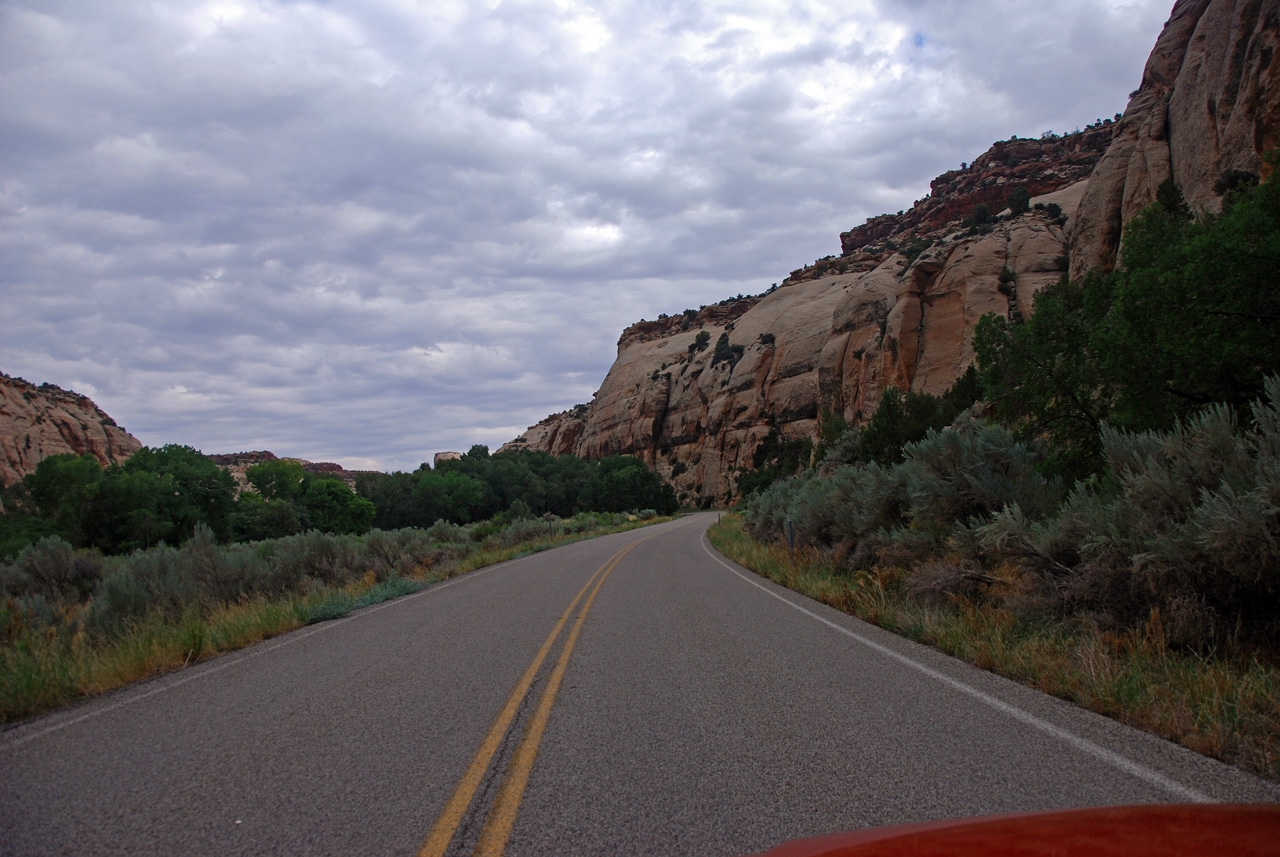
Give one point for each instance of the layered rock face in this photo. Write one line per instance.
(1208, 105)
(900, 303)
(37, 422)
(826, 340)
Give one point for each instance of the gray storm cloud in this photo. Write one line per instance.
(364, 232)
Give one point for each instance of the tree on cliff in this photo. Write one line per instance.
(1019, 201)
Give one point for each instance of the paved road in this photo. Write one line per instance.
(699, 710)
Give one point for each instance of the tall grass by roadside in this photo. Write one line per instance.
(1224, 707)
(75, 624)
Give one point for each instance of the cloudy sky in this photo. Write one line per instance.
(365, 232)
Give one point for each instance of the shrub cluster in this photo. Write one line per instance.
(1186, 526)
(105, 596)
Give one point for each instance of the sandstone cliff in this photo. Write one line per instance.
(898, 308)
(900, 303)
(36, 422)
(1208, 105)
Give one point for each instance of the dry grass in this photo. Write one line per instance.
(1227, 708)
(44, 666)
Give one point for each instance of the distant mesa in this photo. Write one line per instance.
(445, 456)
(239, 462)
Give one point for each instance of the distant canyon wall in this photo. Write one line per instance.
(829, 339)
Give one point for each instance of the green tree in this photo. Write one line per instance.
(334, 508)
(1019, 201)
(254, 518)
(1042, 379)
(159, 495)
(448, 495)
(278, 480)
(20, 525)
(1191, 317)
(1193, 312)
(392, 497)
(900, 418)
(62, 488)
(626, 484)
(128, 511)
(726, 353)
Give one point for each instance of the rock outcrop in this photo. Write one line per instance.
(238, 463)
(696, 394)
(39, 421)
(1208, 106)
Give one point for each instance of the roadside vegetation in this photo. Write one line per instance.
(162, 496)
(1222, 705)
(1107, 525)
(111, 575)
(75, 623)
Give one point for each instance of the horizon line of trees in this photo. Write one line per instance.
(164, 495)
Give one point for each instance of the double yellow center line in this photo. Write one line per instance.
(502, 816)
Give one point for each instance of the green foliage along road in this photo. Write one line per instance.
(1125, 471)
(1189, 319)
(161, 496)
(480, 486)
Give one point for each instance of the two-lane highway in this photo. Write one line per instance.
(633, 694)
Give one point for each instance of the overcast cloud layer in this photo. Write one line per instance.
(367, 231)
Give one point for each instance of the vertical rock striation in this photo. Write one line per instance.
(1208, 105)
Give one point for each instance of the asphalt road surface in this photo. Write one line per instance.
(632, 694)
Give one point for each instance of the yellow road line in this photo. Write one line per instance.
(437, 841)
(497, 829)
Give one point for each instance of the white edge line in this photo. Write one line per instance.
(1084, 745)
(243, 655)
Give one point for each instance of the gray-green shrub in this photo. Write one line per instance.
(52, 568)
(954, 475)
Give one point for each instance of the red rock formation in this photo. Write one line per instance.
(1041, 166)
(37, 422)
